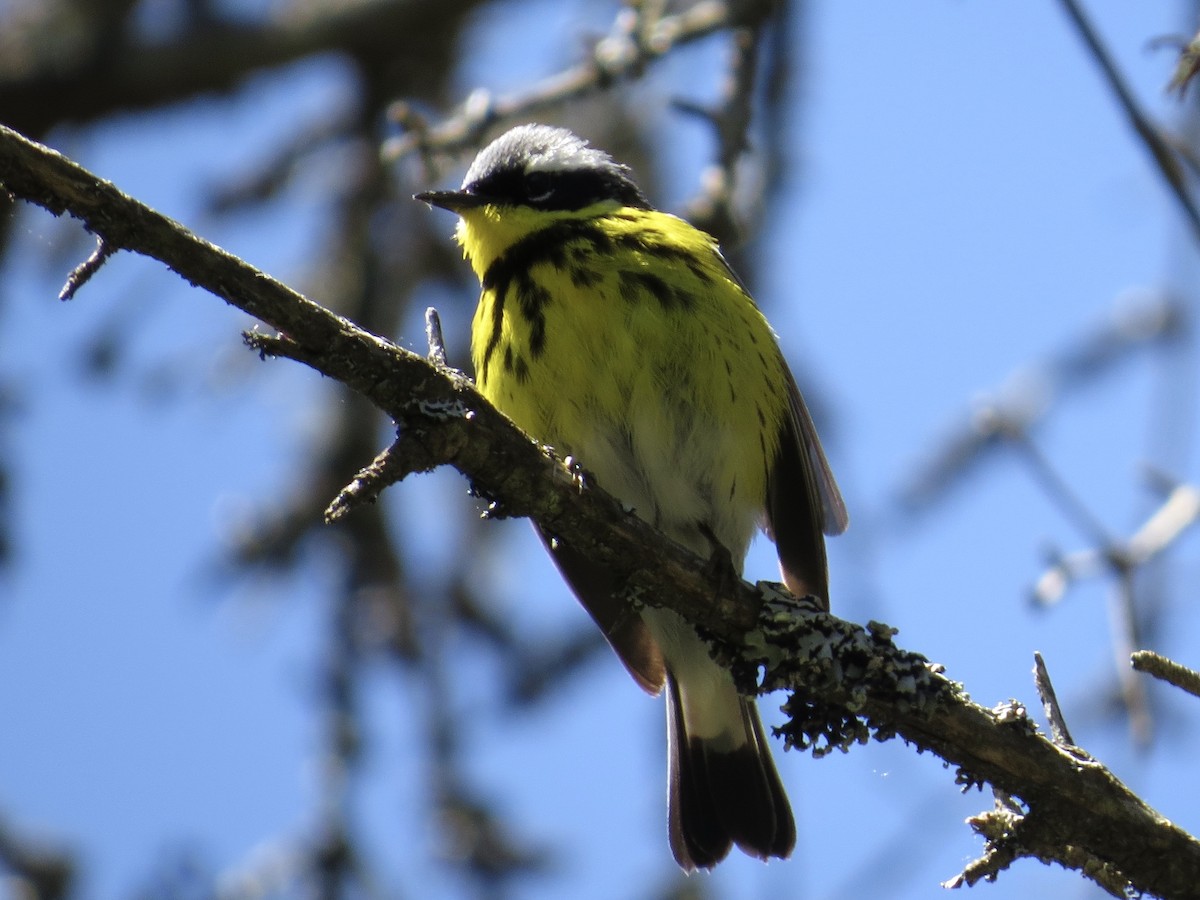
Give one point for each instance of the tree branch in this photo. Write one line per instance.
(1161, 151)
(634, 44)
(1167, 670)
(213, 55)
(848, 683)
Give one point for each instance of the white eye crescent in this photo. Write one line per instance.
(538, 187)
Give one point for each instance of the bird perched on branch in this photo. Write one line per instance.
(619, 335)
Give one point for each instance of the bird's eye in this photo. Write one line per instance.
(538, 187)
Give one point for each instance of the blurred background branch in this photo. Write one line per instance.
(445, 701)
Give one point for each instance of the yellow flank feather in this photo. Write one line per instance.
(619, 336)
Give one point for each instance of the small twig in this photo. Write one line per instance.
(730, 119)
(1167, 670)
(1159, 147)
(433, 336)
(1178, 512)
(1173, 517)
(623, 54)
(1058, 725)
(997, 826)
(399, 460)
(1064, 570)
(385, 469)
(1188, 65)
(1060, 492)
(1118, 561)
(276, 345)
(85, 270)
(1013, 834)
(1030, 393)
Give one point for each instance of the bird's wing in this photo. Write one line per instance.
(803, 503)
(834, 518)
(596, 588)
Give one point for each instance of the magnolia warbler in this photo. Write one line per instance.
(619, 335)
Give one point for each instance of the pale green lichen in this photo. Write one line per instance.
(444, 410)
(841, 675)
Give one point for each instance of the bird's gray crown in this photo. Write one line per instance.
(549, 168)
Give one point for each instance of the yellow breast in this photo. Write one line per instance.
(620, 337)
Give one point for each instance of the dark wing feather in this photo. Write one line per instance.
(803, 502)
(595, 588)
(834, 518)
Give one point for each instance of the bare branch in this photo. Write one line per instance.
(385, 470)
(1056, 488)
(1178, 512)
(623, 54)
(1159, 147)
(1188, 65)
(85, 270)
(1011, 834)
(713, 210)
(433, 337)
(996, 827)
(1162, 528)
(1029, 394)
(1058, 724)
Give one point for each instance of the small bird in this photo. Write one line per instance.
(619, 335)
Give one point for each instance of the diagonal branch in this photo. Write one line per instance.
(634, 44)
(1161, 151)
(848, 683)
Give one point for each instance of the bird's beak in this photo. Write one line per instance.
(455, 201)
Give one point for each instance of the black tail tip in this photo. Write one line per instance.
(726, 800)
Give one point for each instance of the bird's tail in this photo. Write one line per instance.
(723, 786)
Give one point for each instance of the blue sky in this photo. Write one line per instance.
(964, 201)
